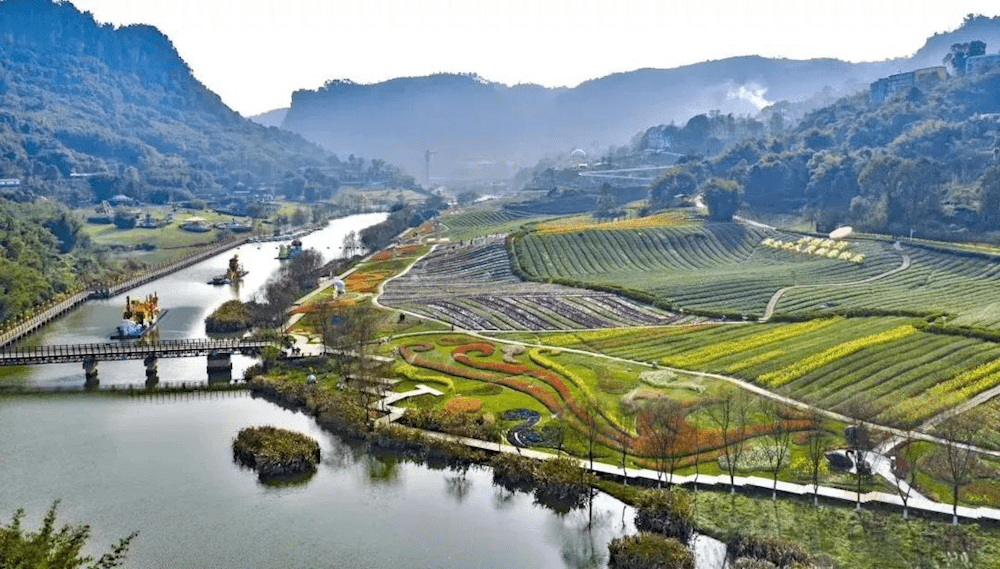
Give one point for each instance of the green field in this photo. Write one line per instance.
(728, 268)
(716, 267)
(476, 221)
(834, 363)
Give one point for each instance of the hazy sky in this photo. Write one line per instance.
(254, 53)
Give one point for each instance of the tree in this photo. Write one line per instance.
(300, 217)
(860, 441)
(606, 201)
(989, 201)
(467, 197)
(722, 197)
(350, 244)
(354, 341)
(303, 270)
(958, 460)
(904, 468)
(729, 416)
(778, 438)
(960, 53)
(666, 419)
(54, 548)
(816, 450)
(674, 181)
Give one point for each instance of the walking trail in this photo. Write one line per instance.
(773, 303)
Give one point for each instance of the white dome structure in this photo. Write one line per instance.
(578, 154)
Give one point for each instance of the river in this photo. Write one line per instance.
(187, 298)
(163, 465)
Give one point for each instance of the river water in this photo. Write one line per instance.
(163, 465)
(187, 298)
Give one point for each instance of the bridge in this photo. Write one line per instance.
(218, 352)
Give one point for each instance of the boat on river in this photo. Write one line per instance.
(139, 317)
(234, 273)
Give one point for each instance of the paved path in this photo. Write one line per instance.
(483, 334)
(393, 413)
(773, 303)
(722, 482)
(967, 405)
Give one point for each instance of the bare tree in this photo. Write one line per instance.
(860, 441)
(729, 416)
(591, 430)
(666, 417)
(778, 439)
(623, 439)
(354, 346)
(957, 462)
(816, 450)
(904, 468)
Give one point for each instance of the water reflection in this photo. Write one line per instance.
(459, 485)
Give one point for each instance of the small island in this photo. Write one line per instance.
(274, 452)
(231, 316)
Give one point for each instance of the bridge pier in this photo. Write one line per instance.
(151, 371)
(90, 371)
(220, 366)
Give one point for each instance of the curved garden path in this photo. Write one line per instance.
(773, 303)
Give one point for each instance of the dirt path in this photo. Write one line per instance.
(773, 303)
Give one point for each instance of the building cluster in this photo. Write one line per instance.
(887, 87)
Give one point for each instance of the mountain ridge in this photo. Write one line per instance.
(598, 112)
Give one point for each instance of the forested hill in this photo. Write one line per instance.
(80, 97)
(926, 159)
(468, 120)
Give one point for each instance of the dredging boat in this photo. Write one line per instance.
(234, 273)
(139, 317)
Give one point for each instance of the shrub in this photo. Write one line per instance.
(778, 551)
(275, 452)
(666, 513)
(649, 551)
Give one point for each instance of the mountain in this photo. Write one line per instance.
(480, 128)
(923, 160)
(271, 118)
(78, 97)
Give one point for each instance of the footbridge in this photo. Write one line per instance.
(218, 352)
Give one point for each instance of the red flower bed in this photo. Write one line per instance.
(382, 256)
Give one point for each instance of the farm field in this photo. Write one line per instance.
(733, 269)
(568, 391)
(840, 364)
(477, 221)
(713, 267)
(962, 286)
(473, 287)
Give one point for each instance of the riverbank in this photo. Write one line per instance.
(861, 537)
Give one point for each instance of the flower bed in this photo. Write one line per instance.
(463, 405)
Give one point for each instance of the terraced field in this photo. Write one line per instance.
(718, 267)
(835, 363)
(964, 286)
(473, 287)
(478, 221)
